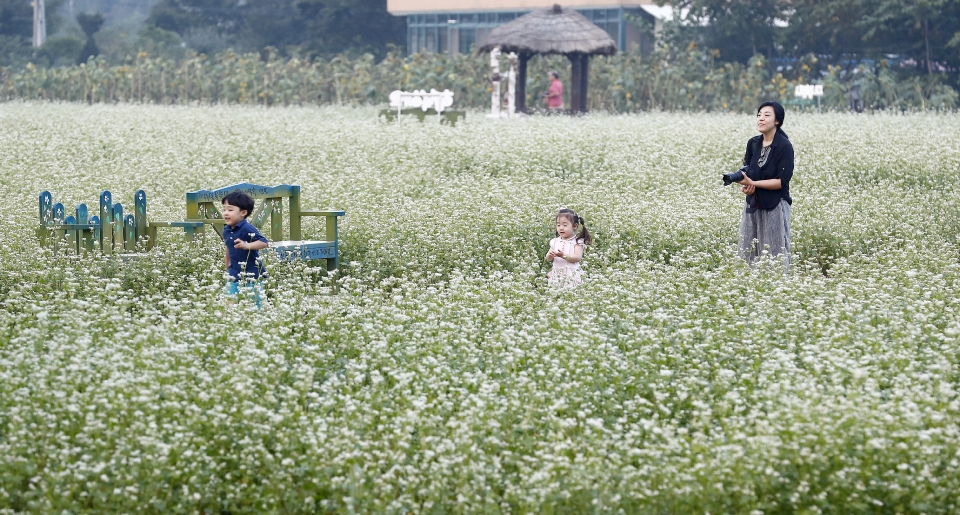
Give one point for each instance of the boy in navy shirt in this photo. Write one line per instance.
(244, 243)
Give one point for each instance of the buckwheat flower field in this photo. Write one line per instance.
(437, 372)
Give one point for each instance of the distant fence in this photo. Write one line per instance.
(667, 80)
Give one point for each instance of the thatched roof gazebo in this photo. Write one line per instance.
(552, 31)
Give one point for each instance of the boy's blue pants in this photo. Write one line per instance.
(251, 290)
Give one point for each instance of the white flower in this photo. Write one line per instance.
(440, 353)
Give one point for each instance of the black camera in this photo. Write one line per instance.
(730, 178)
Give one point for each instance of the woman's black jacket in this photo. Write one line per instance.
(779, 165)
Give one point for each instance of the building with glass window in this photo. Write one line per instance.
(452, 27)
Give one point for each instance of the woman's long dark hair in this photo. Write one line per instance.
(778, 113)
(576, 221)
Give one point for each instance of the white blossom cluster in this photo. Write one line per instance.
(436, 372)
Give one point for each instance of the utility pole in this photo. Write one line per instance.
(39, 23)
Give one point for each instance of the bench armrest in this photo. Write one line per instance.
(328, 212)
(332, 217)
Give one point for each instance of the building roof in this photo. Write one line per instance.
(404, 7)
(550, 31)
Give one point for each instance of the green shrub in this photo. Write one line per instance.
(666, 80)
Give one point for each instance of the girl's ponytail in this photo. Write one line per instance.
(584, 233)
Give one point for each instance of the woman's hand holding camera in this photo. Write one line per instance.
(747, 186)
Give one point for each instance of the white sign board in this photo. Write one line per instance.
(808, 91)
(438, 100)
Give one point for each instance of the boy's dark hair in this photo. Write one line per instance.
(576, 220)
(241, 200)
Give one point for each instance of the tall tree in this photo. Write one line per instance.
(247, 25)
(351, 26)
(825, 27)
(16, 17)
(90, 24)
(738, 28)
(920, 29)
(320, 27)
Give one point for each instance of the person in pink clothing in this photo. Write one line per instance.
(554, 97)
(566, 250)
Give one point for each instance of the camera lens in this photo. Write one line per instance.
(730, 178)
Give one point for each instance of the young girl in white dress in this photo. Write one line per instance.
(566, 250)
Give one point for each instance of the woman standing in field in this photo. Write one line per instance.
(554, 96)
(765, 226)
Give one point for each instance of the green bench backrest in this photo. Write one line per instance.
(206, 204)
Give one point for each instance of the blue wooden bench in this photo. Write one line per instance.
(109, 231)
(203, 206)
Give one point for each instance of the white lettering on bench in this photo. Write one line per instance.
(293, 250)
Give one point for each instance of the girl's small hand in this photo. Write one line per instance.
(558, 253)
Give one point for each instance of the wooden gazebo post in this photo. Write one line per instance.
(575, 82)
(579, 73)
(584, 75)
(521, 94)
(552, 31)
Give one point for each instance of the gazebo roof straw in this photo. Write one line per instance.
(550, 31)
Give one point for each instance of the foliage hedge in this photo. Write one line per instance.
(668, 79)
